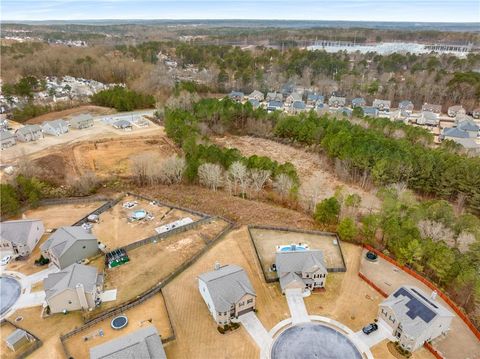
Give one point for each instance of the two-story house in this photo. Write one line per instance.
(21, 236)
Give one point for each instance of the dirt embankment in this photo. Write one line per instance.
(93, 110)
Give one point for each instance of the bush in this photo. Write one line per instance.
(221, 330)
(9, 202)
(42, 261)
(347, 229)
(327, 211)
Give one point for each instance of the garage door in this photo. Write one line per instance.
(245, 311)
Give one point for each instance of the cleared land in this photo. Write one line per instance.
(115, 230)
(94, 110)
(267, 240)
(152, 263)
(307, 164)
(151, 312)
(459, 343)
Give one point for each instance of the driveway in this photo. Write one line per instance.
(257, 331)
(376, 337)
(33, 299)
(297, 306)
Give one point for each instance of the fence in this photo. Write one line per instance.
(99, 210)
(37, 344)
(147, 294)
(70, 200)
(430, 285)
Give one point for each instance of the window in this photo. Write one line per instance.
(84, 247)
(249, 301)
(241, 304)
(69, 302)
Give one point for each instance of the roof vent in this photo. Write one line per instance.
(433, 296)
(216, 266)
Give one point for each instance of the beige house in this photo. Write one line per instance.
(414, 317)
(69, 245)
(303, 269)
(77, 287)
(21, 237)
(228, 293)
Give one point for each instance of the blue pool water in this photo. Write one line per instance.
(296, 248)
(139, 214)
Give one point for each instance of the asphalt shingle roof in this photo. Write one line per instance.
(69, 278)
(64, 237)
(17, 231)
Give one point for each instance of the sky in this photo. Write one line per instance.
(349, 10)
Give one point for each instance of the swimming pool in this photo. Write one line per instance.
(10, 290)
(140, 214)
(293, 248)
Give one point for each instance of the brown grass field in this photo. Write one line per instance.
(151, 263)
(5, 352)
(114, 230)
(94, 110)
(266, 241)
(138, 316)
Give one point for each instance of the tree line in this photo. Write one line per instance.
(123, 99)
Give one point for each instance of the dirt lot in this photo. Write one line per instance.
(266, 242)
(307, 164)
(146, 270)
(94, 110)
(114, 230)
(345, 300)
(459, 343)
(6, 353)
(153, 309)
(48, 330)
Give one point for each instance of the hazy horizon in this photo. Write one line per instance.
(424, 11)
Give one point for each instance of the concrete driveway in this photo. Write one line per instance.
(257, 331)
(376, 337)
(33, 299)
(297, 306)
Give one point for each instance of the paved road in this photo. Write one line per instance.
(257, 331)
(297, 306)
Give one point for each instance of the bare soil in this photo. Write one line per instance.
(94, 110)
(151, 312)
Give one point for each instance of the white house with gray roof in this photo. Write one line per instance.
(81, 121)
(414, 317)
(77, 287)
(336, 101)
(21, 236)
(18, 338)
(303, 269)
(256, 95)
(7, 139)
(68, 245)
(456, 110)
(123, 125)
(228, 293)
(29, 133)
(55, 127)
(381, 105)
(143, 343)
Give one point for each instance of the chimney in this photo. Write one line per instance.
(216, 266)
(81, 296)
(433, 296)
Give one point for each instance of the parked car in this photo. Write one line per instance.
(368, 329)
(5, 260)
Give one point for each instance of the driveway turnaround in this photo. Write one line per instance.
(257, 331)
(297, 306)
(10, 290)
(313, 340)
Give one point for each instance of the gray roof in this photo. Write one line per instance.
(28, 129)
(57, 124)
(295, 96)
(431, 107)
(275, 104)
(468, 126)
(69, 278)
(454, 132)
(455, 108)
(16, 336)
(381, 103)
(358, 101)
(405, 104)
(300, 261)
(256, 93)
(144, 343)
(17, 231)
(64, 237)
(414, 309)
(82, 117)
(122, 124)
(336, 99)
(299, 105)
(254, 102)
(369, 110)
(6, 135)
(227, 285)
(235, 94)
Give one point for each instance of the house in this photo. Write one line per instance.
(122, 125)
(454, 110)
(143, 343)
(428, 107)
(274, 96)
(7, 139)
(406, 105)
(81, 121)
(68, 245)
(335, 101)
(55, 127)
(254, 102)
(358, 102)
(465, 133)
(344, 111)
(370, 111)
(227, 291)
(29, 133)
(236, 96)
(470, 127)
(21, 236)
(18, 338)
(274, 106)
(313, 98)
(476, 113)
(414, 317)
(298, 106)
(428, 118)
(287, 89)
(321, 108)
(77, 287)
(381, 105)
(256, 95)
(293, 97)
(304, 269)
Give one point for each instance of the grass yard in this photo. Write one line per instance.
(153, 309)
(266, 241)
(152, 263)
(114, 230)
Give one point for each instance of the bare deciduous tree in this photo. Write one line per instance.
(238, 177)
(142, 167)
(283, 185)
(436, 231)
(310, 192)
(171, 170)
(84, 184)
(464, 240)
(26, 167)
(258, 179)
(211, 175)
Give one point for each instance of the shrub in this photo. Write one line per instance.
(347, 229)
(327, 211)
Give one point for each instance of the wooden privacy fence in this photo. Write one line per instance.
(38, 343)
